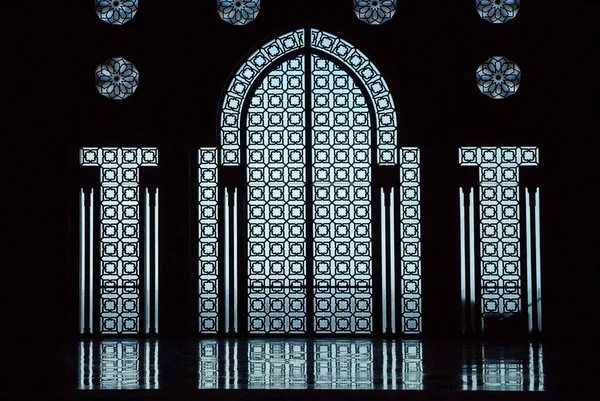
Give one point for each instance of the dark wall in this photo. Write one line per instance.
(428, 53)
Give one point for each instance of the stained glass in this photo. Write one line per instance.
(498, 78)
(499, 225)
(119, 234)
(378, 91)
(117, 78)
(208, 234)
(375, 12)
(116, 12)
(231, 115)
(498, 11)
(410, 233)
(276, 171)
(238, 12)
(341, 172)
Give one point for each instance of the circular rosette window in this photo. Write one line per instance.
(117, 78)
(498, 78)
(375, 12)
(238, 12)
(498, 11)
(116, 12)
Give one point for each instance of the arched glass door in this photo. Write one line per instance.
(297, 207)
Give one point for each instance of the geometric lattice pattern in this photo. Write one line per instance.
(231, 115)
(410, 243)
(343, 364)
(375, 85)
(240, 12)
(208, 239)
(277, 364)
(117, 78)
(375, 12)
(341, 169)
(116, 12)
(276, 171)
(498, 78)
(499, 224)
(498, 11)
(368, 74)
(119, 233)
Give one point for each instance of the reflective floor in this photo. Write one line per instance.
(162, 367)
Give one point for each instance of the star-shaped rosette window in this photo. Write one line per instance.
(238, 12)
(498, 77)
(116, 12)
(375, 12)
(117, 78)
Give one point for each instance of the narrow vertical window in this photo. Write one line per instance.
(119, 273)
(499, 228)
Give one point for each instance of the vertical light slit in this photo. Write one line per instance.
(529, 269)
(91, 261)
(147, 259)
(538, 262)
(235, 263)
(156, 203)
(472, 255)
(463, 263)
(393, 261)
(383, 264)
(81, 261)
(227, 239)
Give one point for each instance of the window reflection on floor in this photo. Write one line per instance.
(313, 364)
(500, 368)
(118, 365)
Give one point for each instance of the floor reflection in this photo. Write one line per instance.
(312, 364)
(494, 367)
(118, 365)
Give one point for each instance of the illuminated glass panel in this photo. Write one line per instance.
(410, 243)
(341, 172)
(119, 234)
(231, 115)
(498, 77)
(343, 364)
(208, 239)
(238, 12)
(277, 364)
(117, 78)
(375, 12)
(499, 225)
(116, 12)
(498, 11)
(379, 92)
(276, 171)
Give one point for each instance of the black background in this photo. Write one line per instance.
(428, 54)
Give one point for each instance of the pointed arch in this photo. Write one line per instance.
(349, 55)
